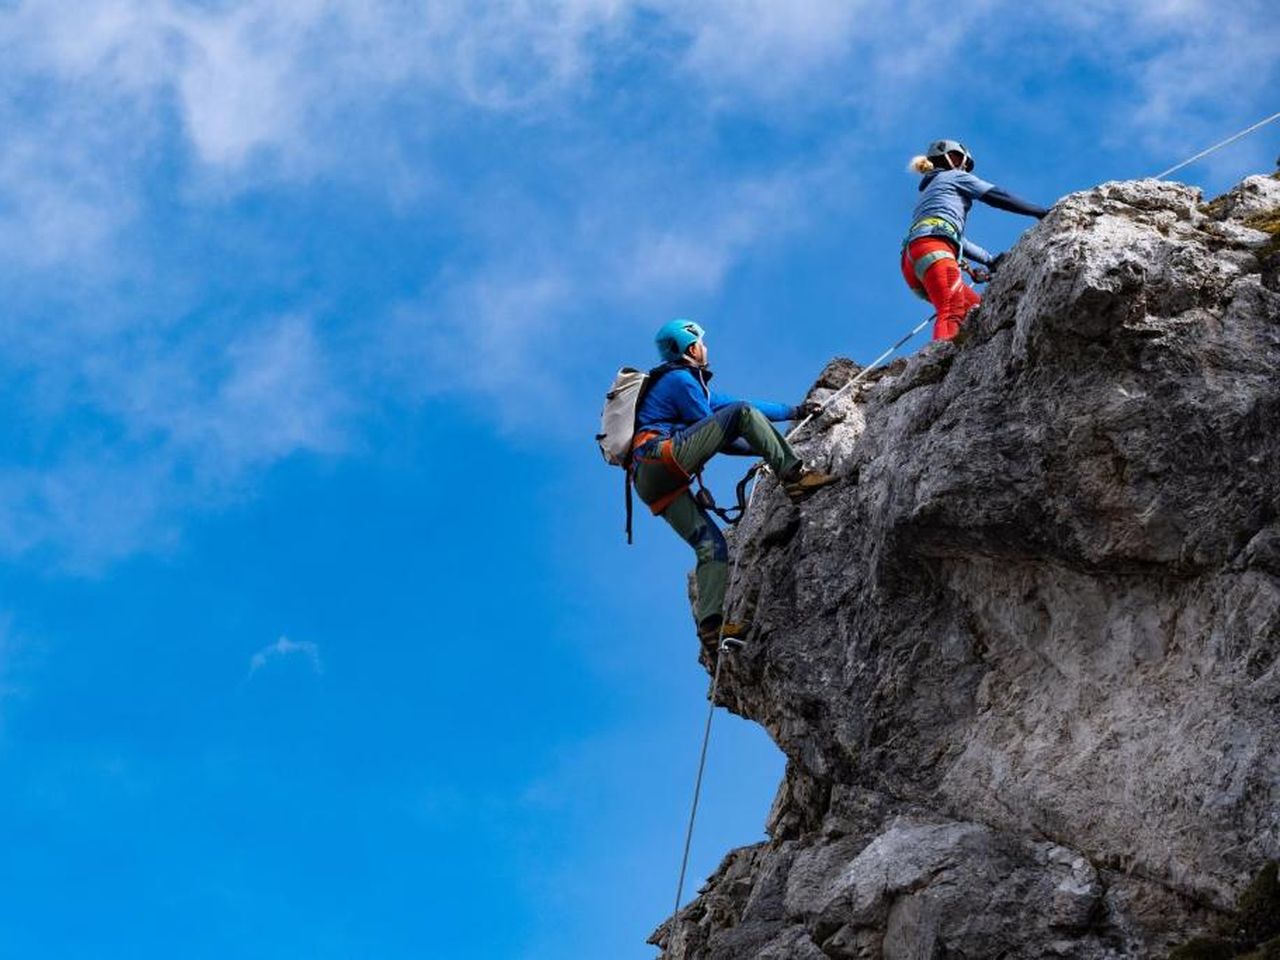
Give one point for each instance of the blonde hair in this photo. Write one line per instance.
(921, 164)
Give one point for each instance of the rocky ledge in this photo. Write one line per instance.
(1023, 659)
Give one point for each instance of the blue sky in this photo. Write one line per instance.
(318, 636)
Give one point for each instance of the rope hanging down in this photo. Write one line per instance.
(722, 648)
(702, 760)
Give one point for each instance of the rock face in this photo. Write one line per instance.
(1023, 659)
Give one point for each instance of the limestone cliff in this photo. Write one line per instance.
(1023, 658)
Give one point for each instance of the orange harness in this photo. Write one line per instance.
(666, 456)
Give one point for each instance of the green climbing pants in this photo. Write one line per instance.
(737, 428)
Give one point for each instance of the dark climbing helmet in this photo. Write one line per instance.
(675, 337)
(939, 149)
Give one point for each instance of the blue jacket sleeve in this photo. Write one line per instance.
(772, 411)
(976, 253)
(1002, 199)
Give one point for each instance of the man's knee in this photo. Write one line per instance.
(731, 416)
(710, 544)
(740, 413)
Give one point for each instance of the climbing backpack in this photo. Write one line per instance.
(616, 439)
(618, 421)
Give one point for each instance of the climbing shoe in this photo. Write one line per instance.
(713, 631)
(807, 482)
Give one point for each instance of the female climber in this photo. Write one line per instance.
(935, 243)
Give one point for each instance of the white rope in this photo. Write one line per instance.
(861, 374)
(722, 650)
(1218, 146)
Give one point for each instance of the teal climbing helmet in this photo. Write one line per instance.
(939, 149)
(675, 337)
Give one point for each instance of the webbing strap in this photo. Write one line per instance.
(640, 439)
(667, 499)
(921, 266)
(667, 457)
(942, 222)
(667, 450)
(933, 227)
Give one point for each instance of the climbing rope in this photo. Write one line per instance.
(723, 648)
(1218, 146)
(862, 374)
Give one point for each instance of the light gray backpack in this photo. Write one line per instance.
(618, 419)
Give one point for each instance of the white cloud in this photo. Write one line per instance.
(60, 195)
(533, 316)
(295, 88)
(285, 648)
(1188, 61)
(238, 86)
(142, 415)
(765, 46)
(263, 75)
(144, 429)
(286, 77)
(90, 508)
(264, 395)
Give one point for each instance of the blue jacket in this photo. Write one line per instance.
(948, 195)
(680, 397)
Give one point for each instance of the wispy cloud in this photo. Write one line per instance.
(142, 430)
(262, 77)
(126, 119)
(1188, 61)
(279, 82)
(284, 648)
(537, 314)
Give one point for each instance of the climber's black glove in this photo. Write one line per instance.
(809, 408)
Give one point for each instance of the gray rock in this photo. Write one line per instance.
(1023, 659)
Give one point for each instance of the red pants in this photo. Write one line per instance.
(943, 285)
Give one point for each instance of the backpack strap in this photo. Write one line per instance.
(626, 486)
(667, 451)
(666, 456)
(641, 438)
(651, 378)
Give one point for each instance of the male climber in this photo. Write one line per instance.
(681, 423)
